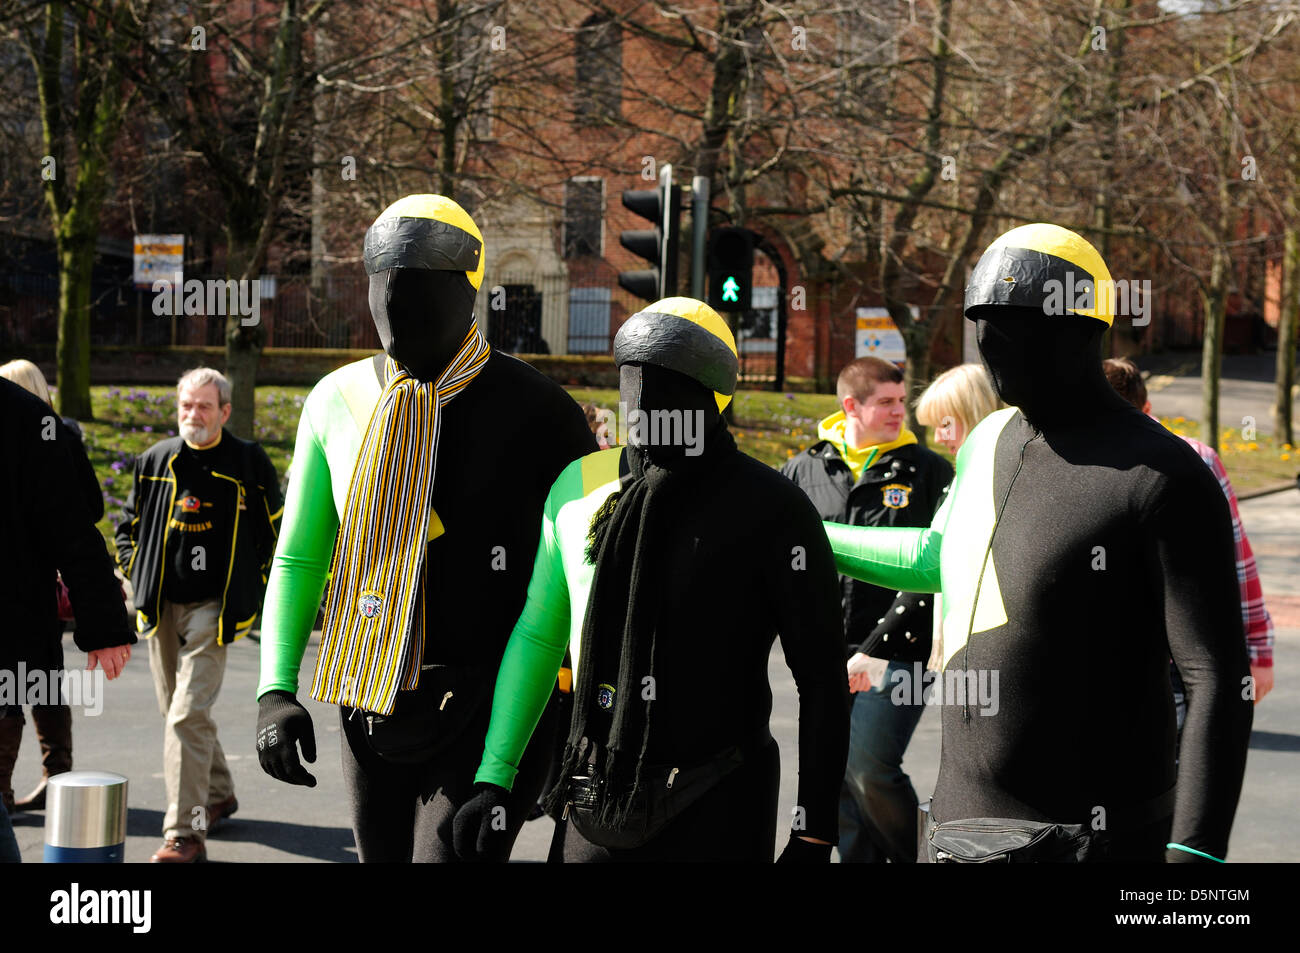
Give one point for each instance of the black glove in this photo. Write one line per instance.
(281, 721)
(802, 852)
(479, 831)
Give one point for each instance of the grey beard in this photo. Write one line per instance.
(195, 435)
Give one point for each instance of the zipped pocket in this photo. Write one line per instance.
(1003, 841)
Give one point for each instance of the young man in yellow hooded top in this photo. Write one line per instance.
(868, 469)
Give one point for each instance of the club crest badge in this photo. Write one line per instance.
(605, 696)
(189, 504)
(896, 495)
(370, 604)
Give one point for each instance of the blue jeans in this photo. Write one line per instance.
(877, 801)
(8, 842)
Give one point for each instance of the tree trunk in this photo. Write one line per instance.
(916, 374)
(76, 261)
(1214, 301)
(1286, 335)
(243, 343)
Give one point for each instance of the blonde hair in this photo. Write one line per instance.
(963, 392)
(27, 376)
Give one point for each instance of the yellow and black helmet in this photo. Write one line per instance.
(683, 335)
(1040, 267)
(425, 231)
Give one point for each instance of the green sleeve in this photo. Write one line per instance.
(906, 559)
(531, 661)
(301, 565)
(896, 557)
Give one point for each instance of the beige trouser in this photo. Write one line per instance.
(188, 666)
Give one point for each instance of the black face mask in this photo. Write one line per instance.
(422, 316)
(1048, 366)
(677, 414)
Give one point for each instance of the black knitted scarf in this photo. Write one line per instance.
(611, 735)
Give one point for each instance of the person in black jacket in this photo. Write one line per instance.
(196, 539)
(869, 470)
(53, 722)
(45, 527)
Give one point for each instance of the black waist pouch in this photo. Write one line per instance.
(429, 719)
(665, 792)
(1001, 840)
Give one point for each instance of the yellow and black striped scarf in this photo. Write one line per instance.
(373, 638)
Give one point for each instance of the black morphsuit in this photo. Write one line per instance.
(422, 316)
(735, 556)
(1113, 551)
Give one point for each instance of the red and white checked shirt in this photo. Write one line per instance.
(1254, 616)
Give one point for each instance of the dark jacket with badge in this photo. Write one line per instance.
(901, 487)
(147, 519)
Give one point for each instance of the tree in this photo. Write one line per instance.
(247, 126)
(83, 100)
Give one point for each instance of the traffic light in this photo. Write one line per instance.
(731, 269)
(658, 245)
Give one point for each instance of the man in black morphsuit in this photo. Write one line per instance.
(669, 567)
(1105, 547)
(431, 462)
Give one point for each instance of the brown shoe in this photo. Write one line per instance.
(220, 811)
(180, 850)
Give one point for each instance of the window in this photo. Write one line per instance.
(589, 321)
(598, 61)
(584, 206)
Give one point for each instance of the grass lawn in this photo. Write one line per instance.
(770, 427)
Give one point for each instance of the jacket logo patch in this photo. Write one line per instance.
(605, 696)
(189, 504)
(370, 604)
(896, 495)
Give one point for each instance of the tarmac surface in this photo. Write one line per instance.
(279, 822)
(1247, 392)
(284, 823)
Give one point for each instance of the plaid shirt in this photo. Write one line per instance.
(1254, 616)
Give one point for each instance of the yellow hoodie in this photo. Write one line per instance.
(832, 429)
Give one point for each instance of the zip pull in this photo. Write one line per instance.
(370, 724)
(565, 815)
(671, 775)
(445, 698)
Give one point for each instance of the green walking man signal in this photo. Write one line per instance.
(731, 268)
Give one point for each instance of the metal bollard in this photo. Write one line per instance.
(85, 818)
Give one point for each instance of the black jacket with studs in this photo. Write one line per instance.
(902, 488)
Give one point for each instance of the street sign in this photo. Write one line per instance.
(158, 257)
(877, 336)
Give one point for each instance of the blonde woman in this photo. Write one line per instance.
(955, 402)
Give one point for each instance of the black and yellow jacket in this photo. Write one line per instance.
(142, 533)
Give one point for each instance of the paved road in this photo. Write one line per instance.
(1246, 389)
(279, 822)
